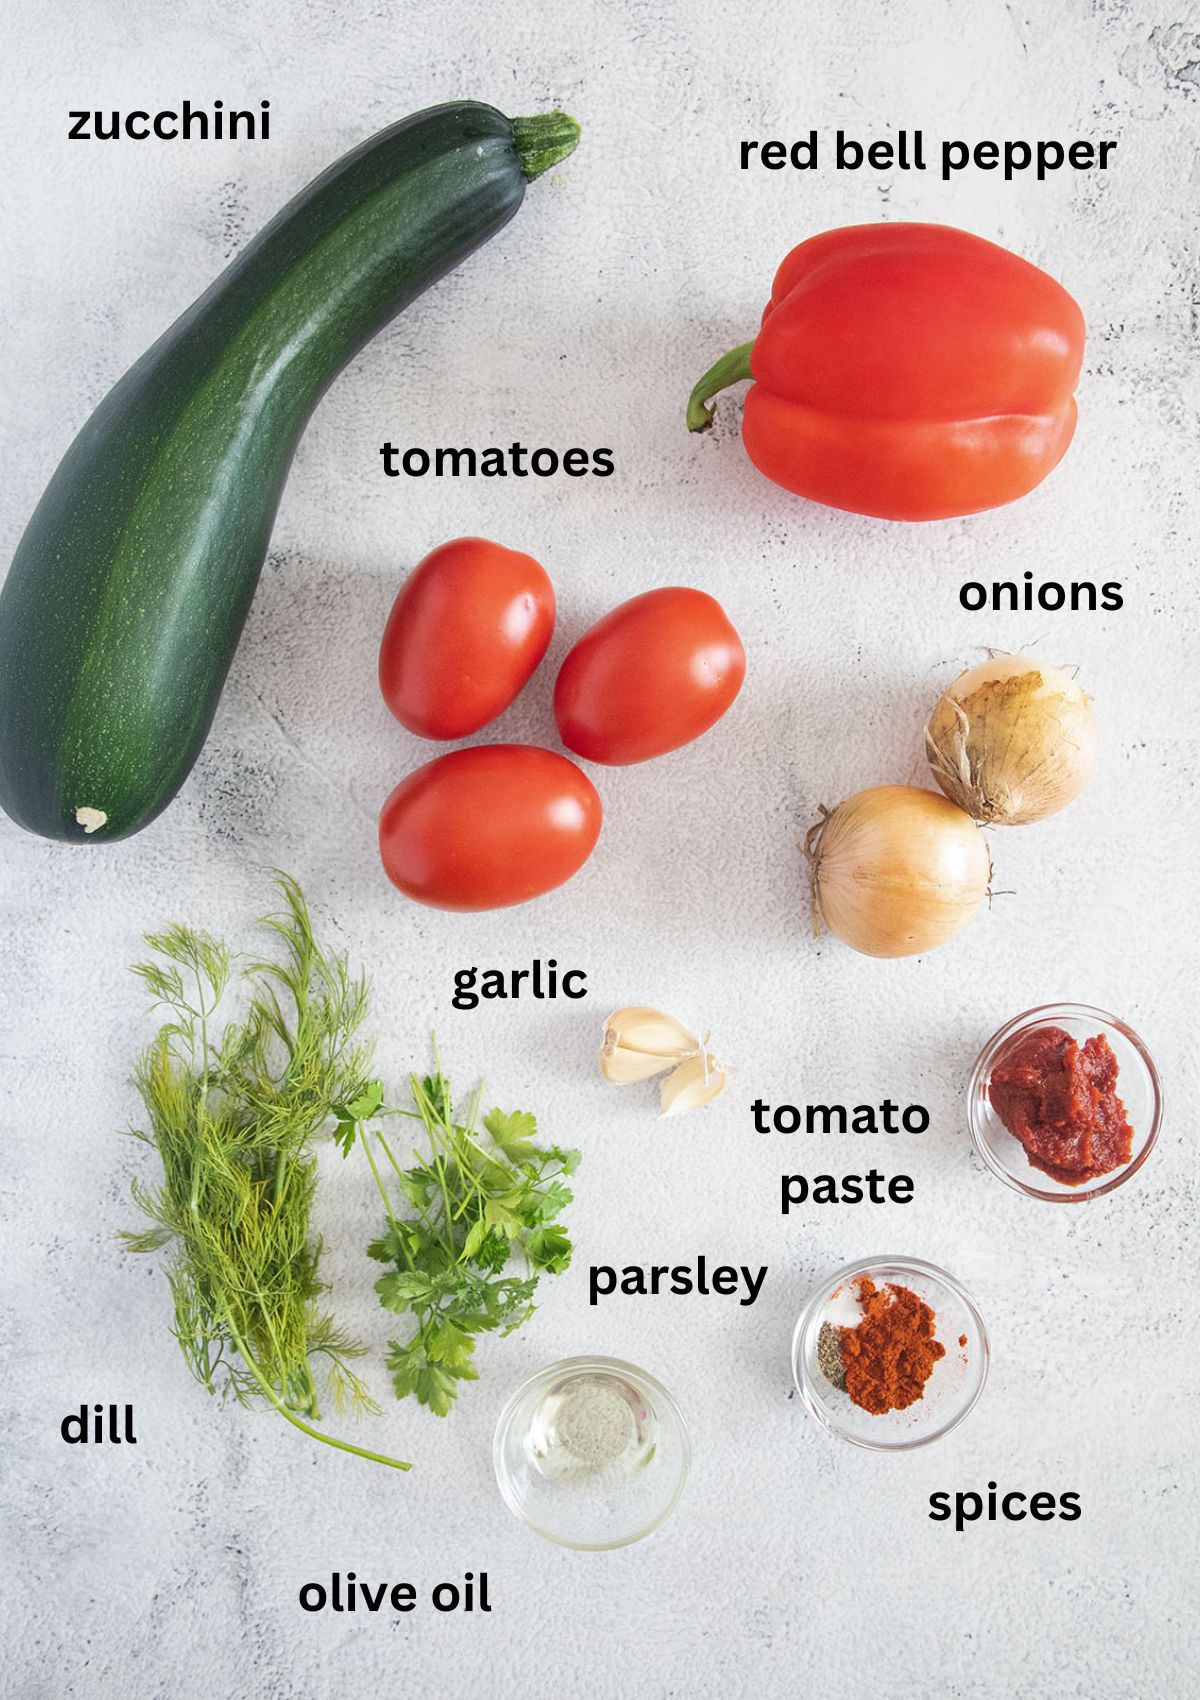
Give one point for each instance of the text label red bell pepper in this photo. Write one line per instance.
(910, 371)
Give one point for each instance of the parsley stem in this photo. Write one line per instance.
(399, 1173)
(432, 1124)
(399, 1238)
(387, 1203)
(387, 1151)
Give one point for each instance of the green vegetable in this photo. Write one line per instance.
(480, 1199)
(234, 1117)
(127, 596)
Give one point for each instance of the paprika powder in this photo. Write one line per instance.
(909, 371)
(892, 1352)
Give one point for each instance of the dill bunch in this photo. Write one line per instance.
(234, 1113)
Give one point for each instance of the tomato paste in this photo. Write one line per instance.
(1059, 1099)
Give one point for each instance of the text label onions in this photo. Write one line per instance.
(1012, 741)
(896, 870)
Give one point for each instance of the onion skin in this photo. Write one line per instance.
(897, 870)
(1012, 741)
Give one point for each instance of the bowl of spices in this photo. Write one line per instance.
(1064, 1103)
(890, 1353)
(591, 1453)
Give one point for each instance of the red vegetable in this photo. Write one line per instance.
(465, 635)
(910, 371)
(652, 675)
(488, 827)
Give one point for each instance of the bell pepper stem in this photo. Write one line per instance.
(731, 368)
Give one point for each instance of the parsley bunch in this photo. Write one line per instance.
(479, 1231)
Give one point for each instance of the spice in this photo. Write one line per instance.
(891, 1354)
(1059, 1099)
(829, 1356)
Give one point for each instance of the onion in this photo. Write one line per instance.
(1012, 741)
(896, 870)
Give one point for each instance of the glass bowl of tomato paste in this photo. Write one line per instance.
(1064, 1103)
(890, 1353)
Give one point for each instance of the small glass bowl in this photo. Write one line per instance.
(951, 1391)
(591, 1453)
(1138, 1087)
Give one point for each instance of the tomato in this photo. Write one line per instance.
(464, 636)
(487, 827)
(652, 675)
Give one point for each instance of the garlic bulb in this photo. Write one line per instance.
(641, 1042)
(896, 870)
(693, 1084)
(1012, 741)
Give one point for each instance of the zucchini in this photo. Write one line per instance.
(125, 601)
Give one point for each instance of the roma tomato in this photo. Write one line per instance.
(652, 675)
(464, 636)
(488, 827)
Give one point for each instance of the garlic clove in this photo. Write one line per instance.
(693, 1084)
(643, 1029)
(640, 1043)
(624, 1066)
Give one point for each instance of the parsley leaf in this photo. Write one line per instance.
(362, 1108)
(549, 1248)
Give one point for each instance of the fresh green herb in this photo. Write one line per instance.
(234, 1118)
(481, 1201)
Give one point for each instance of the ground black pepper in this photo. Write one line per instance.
(829, 1356)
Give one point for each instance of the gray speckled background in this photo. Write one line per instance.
(794, 1564)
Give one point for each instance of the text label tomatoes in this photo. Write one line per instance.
(488, 827)
(652, 675)
(464, 636)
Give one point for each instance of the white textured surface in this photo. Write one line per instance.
(794, 1564)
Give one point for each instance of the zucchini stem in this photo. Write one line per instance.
(731, 368)
(544, 141)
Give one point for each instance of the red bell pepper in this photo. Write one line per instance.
(910, 371)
